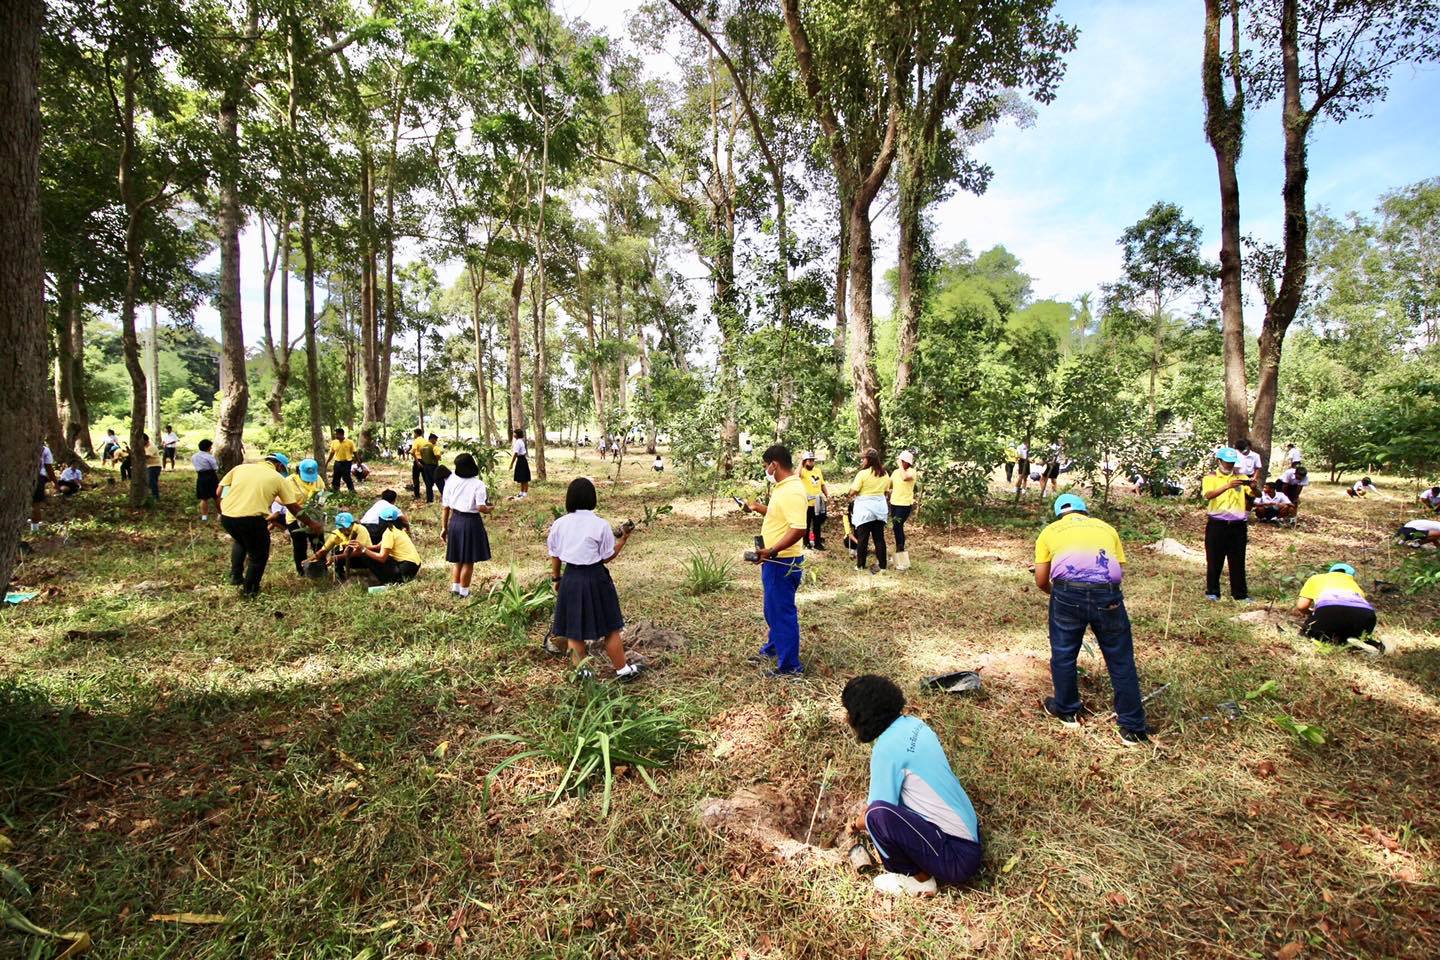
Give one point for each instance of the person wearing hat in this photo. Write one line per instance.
(344, 547)
(902, 502)
(1079, 563)
(812, 478)
(462, 502)
(1336, 611)
(311, 489)
(1225, 491)
(245, 496)
(394, 559)
(342, 454)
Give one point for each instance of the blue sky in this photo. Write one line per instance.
(1125, 130)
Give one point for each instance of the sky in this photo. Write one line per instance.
(1124, 131)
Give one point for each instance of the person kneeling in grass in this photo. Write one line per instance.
(923, 824)
(1361, 487)
(1419, 532)
(345, 547)
(587, 606)
(394, 559)
(72, 480)
(1272, 505)
(1336, 611)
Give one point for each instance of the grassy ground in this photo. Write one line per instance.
(309, 766)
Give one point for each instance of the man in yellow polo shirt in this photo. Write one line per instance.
(245, 496)
(1226, 532)
(780, 560)
(1078, 562)
(816, 490)
(342, 453)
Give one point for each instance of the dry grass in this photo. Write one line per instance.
(310, 765)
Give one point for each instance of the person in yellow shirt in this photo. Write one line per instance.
(153, 463)
(816, 492)
(1336, 611)
(415, 443)
(394, 559)
(345, 547)
(870, 511)
(342, 454)
(780, 560)
(245, 496)
(1225, 491)
(1012, 454)
(1079, 563)
(310, 490)
(902, 502)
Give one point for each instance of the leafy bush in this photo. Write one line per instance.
(517, 606)
(598, 728)
(706, 573)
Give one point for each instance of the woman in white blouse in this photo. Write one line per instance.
(462, 502)
(520, 462)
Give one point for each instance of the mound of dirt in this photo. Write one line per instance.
(1174, 548)
(646, 636)
(780, 820)
(1017, 672)
(1275, 619)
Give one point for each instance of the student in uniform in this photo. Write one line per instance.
(1419, 532)
(46, 478)
(520, 463)
(1293, 482)
(109, 448)
(902, 502)
(246, 494)
(169, 444)
(394, 559)
(604, 446)
(72, 479)
(1431, 498)
(342, 454)
(1225, 529)
(1079, 562)
(780, 558)
(1011, 456)
(920, 818)
(462, 528)
(816, 490)
(207, 478)
(308, 487)
(371, 519)
(1250, 462)
(153, 466)
(344, 547)
(1272, 505)
(587, 607)
(659, 464)
(1361, 487)
(122, 457)
(870, 510)
(1292, 453)
(1336, 611)
(1050, 477)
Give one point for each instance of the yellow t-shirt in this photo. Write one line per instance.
(342, 449)
(812, 480)
(304, 493)
(785, 512)
(902, 491)
(250, 489)
(338, 538)
(866, 484)
(1081, 549)
(401, 547)
(152, 456)
(1229, 505)
(1336, 589)
(1011, 455)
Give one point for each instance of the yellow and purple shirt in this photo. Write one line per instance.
(1334, 590)
(1229, 505)
(1081, 549)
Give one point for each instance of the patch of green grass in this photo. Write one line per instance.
(707, 573)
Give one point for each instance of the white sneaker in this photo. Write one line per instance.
(899, 884)
(627, 673)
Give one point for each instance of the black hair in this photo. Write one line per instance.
(1243, 444)
(389, 496)
(419, 432)
(519, 433)
(465, 467)
(442, 472)
(580, 495)
(1301, 473)
(1366, 481)
(872, 460)
(433, 436)
(205, 445)
(1269, 483)
(778, 454)
(339, 431)
(169, 426)
(145, 437)
(872, 703)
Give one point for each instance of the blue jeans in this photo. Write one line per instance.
(781, 578)
(1073, 607)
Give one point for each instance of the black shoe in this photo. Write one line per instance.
(759, 659)
(1071, 721)
(1133, 738)
(778, 674)
(820, 546)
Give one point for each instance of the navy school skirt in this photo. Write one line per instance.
(522, 470)
(466, 540)
(207, 482)
(587, 607)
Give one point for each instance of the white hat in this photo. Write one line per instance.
(907, 457)
(807, 455)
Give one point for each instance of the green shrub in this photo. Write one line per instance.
(518, 606)
(706, 573)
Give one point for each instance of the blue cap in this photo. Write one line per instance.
(1067, 504)
(279, 458)
(390, 513)
(1342, 568)
(1228, 454)
(344, 520)
(309, 470)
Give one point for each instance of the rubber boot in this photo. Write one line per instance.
(902, 560)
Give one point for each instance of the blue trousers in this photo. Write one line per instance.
(1073, 607)
(910, 844)
(781, 578)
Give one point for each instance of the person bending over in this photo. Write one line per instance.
(923, 824)
(345, 547)
(1361, 488)
(371, 518)
(394, 559)
(1431, 498)
(1419, 532)
(1336, 611)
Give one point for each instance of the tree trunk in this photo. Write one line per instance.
(842, 320)
(538, 390)
(234, 386)
(861, 340)
(382, 401)
(597, 377)
(482, 425)
(369, 328)
(22, 273)
(1224, 128)
(70, 350)
(538, 381)
(907, 306)
(280, 354)
(312, 347)
(515, 409)
(1157, 349)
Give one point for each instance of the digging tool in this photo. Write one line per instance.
(824, 779)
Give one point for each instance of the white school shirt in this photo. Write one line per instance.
(71, 475)
(1022, 452)
(581, 538)
(1293, 454)
(46, 458)
(465, 494)
(518, 448)
(1290, 476)
(372, 516)
(1278, 500)
(169, 439)
(1429, 526)
(1433, 499)
(203, 461)
(1249, 463)
(1362, 487)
